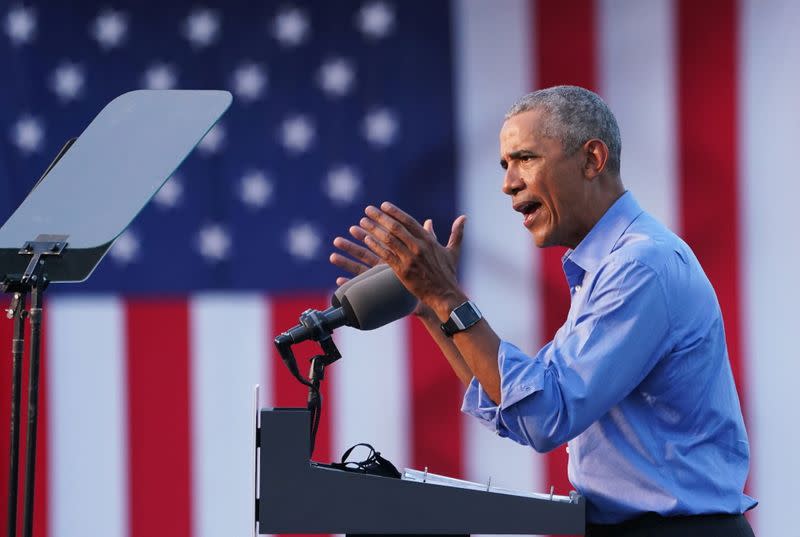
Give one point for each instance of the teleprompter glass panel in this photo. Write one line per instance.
(110, 173)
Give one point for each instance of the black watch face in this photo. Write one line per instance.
(467, 315)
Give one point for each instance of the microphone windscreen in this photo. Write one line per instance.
(336, 299)
(377, 300)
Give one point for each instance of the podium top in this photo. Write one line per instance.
(117, 164)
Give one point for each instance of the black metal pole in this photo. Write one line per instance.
(33, 404)
(17, 311)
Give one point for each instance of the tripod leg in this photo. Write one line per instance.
(33, 408)
(17, 348)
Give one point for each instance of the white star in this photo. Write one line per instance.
(290, 27)
(380, 127)
(213, 242)
(67, 81)
(249, 81)
(255, 189)
(213, 140)
(201, 27)
(170, 193)
(125, 248)
(341, 185)
(303, 241)
(110, 28)
(297, 133)
(336, 77)
(375, 20)
(21, 25)
(160, 76)
(28, 134)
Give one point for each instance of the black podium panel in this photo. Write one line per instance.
(300, 496)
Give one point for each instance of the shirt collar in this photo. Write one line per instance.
(602, 238)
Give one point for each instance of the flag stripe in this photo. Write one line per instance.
(6, 334)
(497, 250)
(434, 402)
(88, 401)
(769, 82)
(158, 356)
(637, 80)
(708, 121)
(42, 479)
(369, 388)
(225, 368)
(565, 50)
(286, 390)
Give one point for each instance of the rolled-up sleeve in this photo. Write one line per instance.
(617, 338)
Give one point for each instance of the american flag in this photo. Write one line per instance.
(149, 365)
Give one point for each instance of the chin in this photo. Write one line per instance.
(541, 239)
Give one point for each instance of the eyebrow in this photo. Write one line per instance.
(515, 155)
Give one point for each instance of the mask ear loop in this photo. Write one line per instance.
(362, 465)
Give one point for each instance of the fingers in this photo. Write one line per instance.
(387, 255)
(388, 231)
(341, 281)
(404, 218)
(344, 263)
(356, 250)
(457, 233)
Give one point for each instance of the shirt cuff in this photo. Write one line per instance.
(520, 376)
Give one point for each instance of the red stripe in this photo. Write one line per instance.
(286, 390)
(158, 414)
(565, 54)
(708, 158)
(41, 504)
(6, 333)
(708, 133)
(435, 416)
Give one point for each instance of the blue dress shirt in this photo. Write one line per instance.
(637, 379)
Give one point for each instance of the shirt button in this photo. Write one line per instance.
(577, 288)
(567, 450)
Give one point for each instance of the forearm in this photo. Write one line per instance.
(476, 347)
(448, 348)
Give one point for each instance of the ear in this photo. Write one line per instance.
(596, 153)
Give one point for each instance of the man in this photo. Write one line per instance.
(637, 380)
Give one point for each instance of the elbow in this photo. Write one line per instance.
(544, 444)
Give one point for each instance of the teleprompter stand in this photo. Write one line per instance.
(87, 197)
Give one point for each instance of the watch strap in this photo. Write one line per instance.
(461, 318)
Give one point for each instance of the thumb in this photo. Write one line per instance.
(428, 225)
(457, 233)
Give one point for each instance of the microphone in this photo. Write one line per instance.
(372, 299)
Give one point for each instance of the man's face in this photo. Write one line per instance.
(546, 185)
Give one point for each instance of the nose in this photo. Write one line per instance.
(512, 181)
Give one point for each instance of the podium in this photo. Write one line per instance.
(297, 495)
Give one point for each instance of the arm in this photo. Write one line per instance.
(428, 270)
(548, 399)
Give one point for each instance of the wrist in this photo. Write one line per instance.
(446, 303)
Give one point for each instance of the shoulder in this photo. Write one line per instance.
(650, 244)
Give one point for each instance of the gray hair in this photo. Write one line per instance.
(575, 115)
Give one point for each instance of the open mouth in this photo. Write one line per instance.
(529, 209)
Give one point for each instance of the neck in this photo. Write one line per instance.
(597, 202)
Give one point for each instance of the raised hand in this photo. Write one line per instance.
(426, 268)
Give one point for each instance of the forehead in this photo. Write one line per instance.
(523, 130)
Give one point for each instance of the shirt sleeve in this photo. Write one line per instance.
(616, 340)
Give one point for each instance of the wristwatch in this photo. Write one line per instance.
(461, 318)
